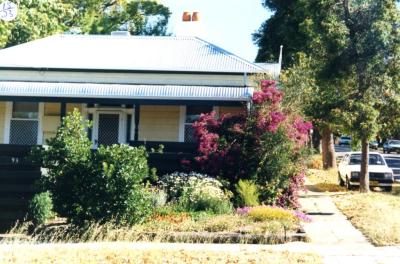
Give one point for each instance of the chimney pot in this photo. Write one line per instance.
(187, 17)
(196, 16)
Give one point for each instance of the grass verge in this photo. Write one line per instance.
(324, 180)
(117, 253)
(377, 215)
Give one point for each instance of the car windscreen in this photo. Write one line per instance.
(394, 142)
(393, 163)
(374, 159)
(346, 138)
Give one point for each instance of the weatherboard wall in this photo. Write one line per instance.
(159, 123)
(126, 77)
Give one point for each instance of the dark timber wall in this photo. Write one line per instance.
(17, 176)
(170, 160)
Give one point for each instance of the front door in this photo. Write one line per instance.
(108, 128)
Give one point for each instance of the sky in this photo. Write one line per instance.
(225, 23)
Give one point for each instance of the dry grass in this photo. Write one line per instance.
(315, 162)
(123, 253)
(324, 180)
(206, 229)
(377, 215)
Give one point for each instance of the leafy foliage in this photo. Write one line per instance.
(195, 192)
(204, 195)
(173, 184)
(38, 19)
(285, 27)
(247, 193)
(344, 71)
(40, 208)
(264, 145)
(86, 185)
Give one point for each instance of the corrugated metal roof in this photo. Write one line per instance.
(142, 53)
(117, 91)
(272, 68)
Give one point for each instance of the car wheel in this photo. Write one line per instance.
(348, 185)
(340, 180)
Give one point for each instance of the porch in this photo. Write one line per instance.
(30, 112)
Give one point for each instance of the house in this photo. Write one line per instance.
(135, 89)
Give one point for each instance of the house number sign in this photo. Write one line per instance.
(8, 11)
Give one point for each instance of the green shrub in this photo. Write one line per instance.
(101, 185)
(158, 198)
(247, 193)
(118, 185)
(40, 208)
(173, 184)
(266, 213)
(204, 194)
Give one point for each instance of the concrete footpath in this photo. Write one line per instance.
(334, 237)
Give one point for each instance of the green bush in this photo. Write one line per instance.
(173, 184)
(247, 193)
(158, 198)
(101, 185)
(117, 184)
(204, 194)
(195, 192)
(40, 208)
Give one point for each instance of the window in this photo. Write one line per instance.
(374, 159)
(192, 115)
(52, 109)
(24, 123)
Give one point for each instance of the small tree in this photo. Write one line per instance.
(94, 186)
(264, 145)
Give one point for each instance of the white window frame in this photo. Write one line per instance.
(8, 118)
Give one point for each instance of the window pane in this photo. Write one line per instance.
(52, 109)
(193, 112)
(25, 110)
(189, 134)
(393, 163)
(374, 159)
(23, 132)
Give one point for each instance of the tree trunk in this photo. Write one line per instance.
(316, 140)
(364, 176)
(328, 149)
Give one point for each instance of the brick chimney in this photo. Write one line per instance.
(191, 25)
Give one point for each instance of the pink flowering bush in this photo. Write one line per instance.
(265, 145)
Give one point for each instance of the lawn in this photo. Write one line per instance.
(377, 215)
(323, 180)
(128, 253)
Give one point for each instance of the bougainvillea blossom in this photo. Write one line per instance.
(241, 146)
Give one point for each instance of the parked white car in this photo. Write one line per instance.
(393, 162)
(379, 173)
